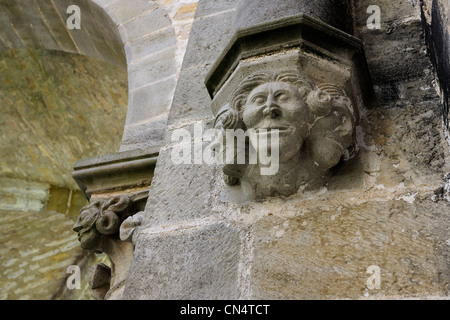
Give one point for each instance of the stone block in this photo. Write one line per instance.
(324, 252)
(58, 199)
(150, 101)
(209, 7)
(146, 46)
(9, 37)
(191, 99)
(123, 11)
(185, 12)
(22, 195)
(391, 12)
(143, 135)
(146, 24)
(57, 26)
(208, 37)
(190, 193)
(16, 15)
(81, 37)
(396, 51)
(198, 262)
(110, 33)
(154, 68)
(410, 156)
(40, 29)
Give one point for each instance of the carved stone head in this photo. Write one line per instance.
(101, 218)
(314, 128)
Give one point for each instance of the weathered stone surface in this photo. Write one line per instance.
(190, 196)
(324, 253)
(208, 37)
(191, 99)
(205, 8)
(336, 13)
(409, 141)
(150, 101)
(43, 26)
(203, 260)
(395, 51)
(144, 135)
(58, 108)
(36, 250)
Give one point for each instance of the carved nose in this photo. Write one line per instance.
(77, 227)
(272, 111)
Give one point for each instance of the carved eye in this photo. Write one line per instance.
(259, 100)
(282, 97)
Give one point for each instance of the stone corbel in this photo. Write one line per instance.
(98, 228)
(322, 74)
(116, 186)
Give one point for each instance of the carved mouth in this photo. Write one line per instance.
(82, 233)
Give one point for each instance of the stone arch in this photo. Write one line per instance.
(42, 25)
(138, 38)
(151, 48)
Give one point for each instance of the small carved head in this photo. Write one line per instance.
(316, 119)
(101, 218)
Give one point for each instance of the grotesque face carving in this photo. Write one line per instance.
(277, 106)
(100, 218)
(85, 226)
(315, 126)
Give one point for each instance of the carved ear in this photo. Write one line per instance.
(117, 204)
(231, 119)
(319, 102)
(108, 223)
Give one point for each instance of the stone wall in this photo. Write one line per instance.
(383, 207)
(387, 206)
(36, 251)
(56, 109)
